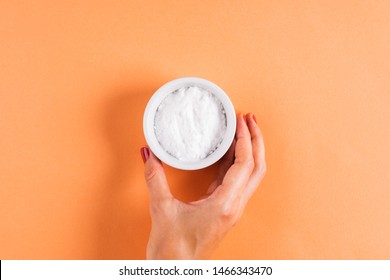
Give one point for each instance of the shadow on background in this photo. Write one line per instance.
(123, 221)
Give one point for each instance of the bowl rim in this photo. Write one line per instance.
(155, 101)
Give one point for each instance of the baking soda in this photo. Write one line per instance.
(190, 123)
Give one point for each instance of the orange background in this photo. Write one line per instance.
(75, 77)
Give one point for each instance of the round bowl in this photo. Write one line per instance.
(149, 119)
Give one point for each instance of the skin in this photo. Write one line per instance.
(194, 230)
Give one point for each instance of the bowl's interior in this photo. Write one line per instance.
(149, 115)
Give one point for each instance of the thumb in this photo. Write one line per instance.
(155, 177)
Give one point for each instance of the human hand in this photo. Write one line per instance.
(193, 230)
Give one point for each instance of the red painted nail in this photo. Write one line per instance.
(144, 153)
(254, 118)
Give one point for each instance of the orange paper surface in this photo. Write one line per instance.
(75, 77)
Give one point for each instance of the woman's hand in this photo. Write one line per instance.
(193, 230)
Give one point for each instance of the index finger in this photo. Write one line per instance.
(238, 174)
(258, 156)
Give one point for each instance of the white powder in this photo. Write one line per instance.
(190, 123)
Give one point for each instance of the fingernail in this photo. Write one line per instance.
(144, 154)
(240, 116)
(254, 118)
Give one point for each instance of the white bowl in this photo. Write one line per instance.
(157, 98)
